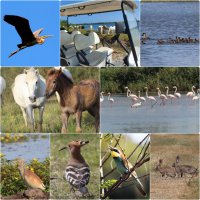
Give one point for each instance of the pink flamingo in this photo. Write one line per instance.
(101, 97)
(161, 96)
(192, 93)
(111, 100)
(136, 105)
(171, 96)
(141, 98)
(150, 98)
(133, 97)
(197, 97)
(176, 94)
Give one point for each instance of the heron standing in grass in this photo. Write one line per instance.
(28, 37)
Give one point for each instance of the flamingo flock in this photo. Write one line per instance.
(138, 101)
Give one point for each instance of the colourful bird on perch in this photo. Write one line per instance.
(124, 166)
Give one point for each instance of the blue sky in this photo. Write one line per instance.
(40, 15)
(104, 17)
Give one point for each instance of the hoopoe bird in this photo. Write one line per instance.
(30, 178)
(123, 166)
(77, 171)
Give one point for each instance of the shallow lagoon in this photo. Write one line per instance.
(179, 117)
(170, 19)
(37, 146)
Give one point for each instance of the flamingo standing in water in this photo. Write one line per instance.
(141, 98)
(171, 96)
(129, 93)
(192, 93)
(150, 98)
(136, 105)
(101, 97)
(161, 96)
(133, 97)
(111, 100)
(176, 94)
(197, 96)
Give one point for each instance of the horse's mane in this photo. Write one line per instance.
(65, 72)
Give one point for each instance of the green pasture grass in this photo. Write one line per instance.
(59, 188)
(168, 147)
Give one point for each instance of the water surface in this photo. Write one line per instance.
(34, 147)
(179, 117)
(170, 19)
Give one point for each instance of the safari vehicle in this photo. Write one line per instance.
(78, 49)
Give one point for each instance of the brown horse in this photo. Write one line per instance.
(74, 99)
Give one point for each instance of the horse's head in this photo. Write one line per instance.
(52, 81)
(32, 79)
(57, 78)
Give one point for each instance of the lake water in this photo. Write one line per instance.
(170, 19)
(35, 147)
(179, 117)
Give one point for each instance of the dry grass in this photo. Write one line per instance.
(168, 147)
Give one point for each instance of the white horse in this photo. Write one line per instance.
(2, 88)
(29, 93)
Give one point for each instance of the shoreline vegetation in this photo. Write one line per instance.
(158, 1)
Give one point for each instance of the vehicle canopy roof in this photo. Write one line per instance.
(94, 6)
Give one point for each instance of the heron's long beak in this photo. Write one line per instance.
(46, 36)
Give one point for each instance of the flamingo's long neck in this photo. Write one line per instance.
(175, 90)
(167, 92)
(127, 93)
(139, 94)
(109, 97)
(193, 90)
(159, 93)
(147, 93)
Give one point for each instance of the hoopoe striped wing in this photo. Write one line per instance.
(77, 177)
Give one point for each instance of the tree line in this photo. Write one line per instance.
(115, 79)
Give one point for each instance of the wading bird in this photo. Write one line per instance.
(150, 98)
(28, 37)
(171, 96)
(77, 171)
(124, 166)
(178, 95)
(161, 96)
(192, 93)
(111, 100)
(29, 177)
(101, 97)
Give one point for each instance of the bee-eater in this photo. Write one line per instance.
(124, 166)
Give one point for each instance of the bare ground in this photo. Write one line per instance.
(168, 147)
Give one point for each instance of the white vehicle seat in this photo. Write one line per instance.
(67, 48)
(99, 57)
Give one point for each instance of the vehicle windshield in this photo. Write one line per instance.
(133, 24)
